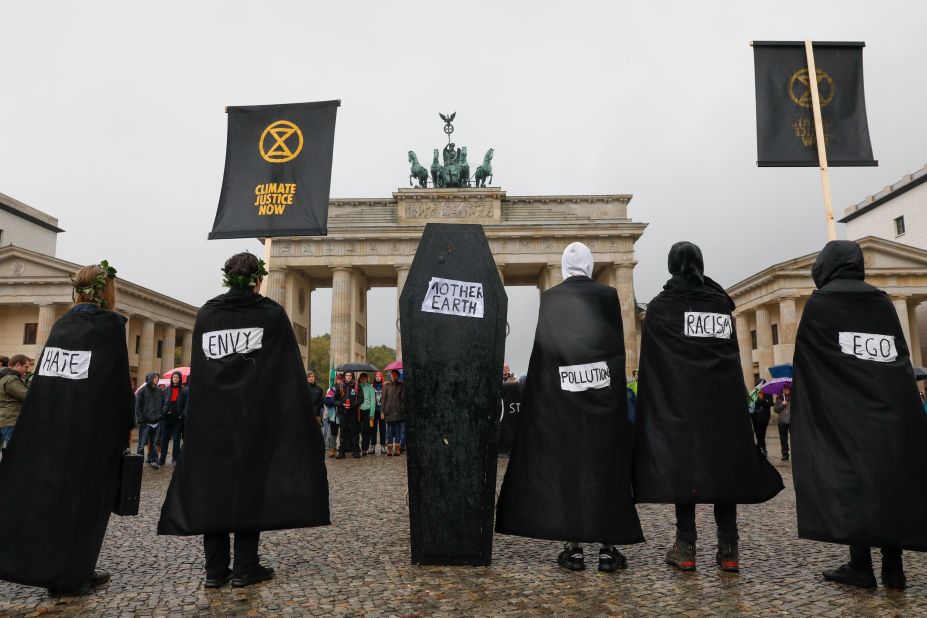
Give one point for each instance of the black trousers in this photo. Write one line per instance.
(725, 518)
(759, 430)
(365, 430)
(349, 433)
(861, 558)
(784, 429)
(379, 427)
(217, 548)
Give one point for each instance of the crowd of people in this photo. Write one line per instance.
(159, 415)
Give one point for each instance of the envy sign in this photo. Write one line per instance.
(221, 343)
(454, 298)
(867, 346)
(58, 363)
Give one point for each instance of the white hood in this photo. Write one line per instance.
(577, 260)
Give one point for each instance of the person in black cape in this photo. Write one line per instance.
(693, 441)
(858, 427)
(569, 472)
(253, 453)
(61, 473)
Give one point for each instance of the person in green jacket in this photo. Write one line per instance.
(12, 394)
(368, 411)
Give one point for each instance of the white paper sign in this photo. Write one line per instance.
(454, 298)
(699, 324)
(221, 343)
(58, 363)
(578, 378)
(867, 346)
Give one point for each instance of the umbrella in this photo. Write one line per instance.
(184, 373)
(920, 373)
(355, 367)
(781, 371)
(396, 364)
(775, 386)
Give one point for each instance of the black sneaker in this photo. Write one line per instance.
(728, 558)
(99, 578)
(217, 581)
(339, 456)
(356, 455)
(850, 576)
(257, 575)
(69, 592)
(785, 457)
(894, 579)
(154, 465)
(571, 559)
(611, 560)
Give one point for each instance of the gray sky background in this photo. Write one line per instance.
(112, 118)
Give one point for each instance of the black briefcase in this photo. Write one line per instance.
(130, 485)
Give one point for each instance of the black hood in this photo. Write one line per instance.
(685, 259)
(840, 259)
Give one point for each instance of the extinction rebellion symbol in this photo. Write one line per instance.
(800, 88)
(284, 139)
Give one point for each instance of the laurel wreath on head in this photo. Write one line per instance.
(94, 290)
(241, 281)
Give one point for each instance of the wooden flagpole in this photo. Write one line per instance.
(819, 138)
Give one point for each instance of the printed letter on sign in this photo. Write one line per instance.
(698, 324)
(578, 378)
(58, 363)
(221, 343)
(867, 346)
(454, 298)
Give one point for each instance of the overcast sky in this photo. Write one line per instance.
(112, 118)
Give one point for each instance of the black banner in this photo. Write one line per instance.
(785, 135)
(278, 168)
(512, 395)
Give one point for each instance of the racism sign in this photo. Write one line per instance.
(700, 324)
(278, 165)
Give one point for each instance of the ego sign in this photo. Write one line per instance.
(454, 298)
(866, 346)
(58, 363)
(221, 343)
(699, 324)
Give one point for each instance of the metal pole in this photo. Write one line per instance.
(819, 138)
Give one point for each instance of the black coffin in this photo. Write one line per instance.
(452, 360)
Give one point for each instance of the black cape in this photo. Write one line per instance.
(694, 442)
(512, 395)
(569, 474)
(859, 429)
(60, 474)
(253, 455)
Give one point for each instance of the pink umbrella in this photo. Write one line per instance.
(396, 364)
(184, 373)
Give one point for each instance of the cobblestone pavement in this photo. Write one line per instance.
(359, 566)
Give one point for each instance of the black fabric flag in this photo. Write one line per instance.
(278, 168)
(785, 135)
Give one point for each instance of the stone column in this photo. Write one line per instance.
(186, 353)
(624, 283)
(167, 348)
(402, 272)
(553, 275)
(342, 282)
(746, 350)
(46, 321)
(916, 356)
(901, 308)
(274, 286)
(764, 342)
(146, 349)
(788, 326)
(500, 268)
(128, 332)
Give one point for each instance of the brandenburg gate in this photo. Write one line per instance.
(371, 243)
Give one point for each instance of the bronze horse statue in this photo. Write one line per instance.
(418, 172)
(485, 170)
(464, 168)
(438, 178)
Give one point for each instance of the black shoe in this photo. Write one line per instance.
(99, 578)
(154, 465)
(785, 457)
(257, 575)
(364, 454)
(70, 592)
(356, 455)
(728, 558)
(682, 556)
(217, 581)
(571, 559)
(894, 579)
(850, 576)
(610, 560)
(339, 456)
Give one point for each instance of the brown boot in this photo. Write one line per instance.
(389, 449)
(331, 452)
